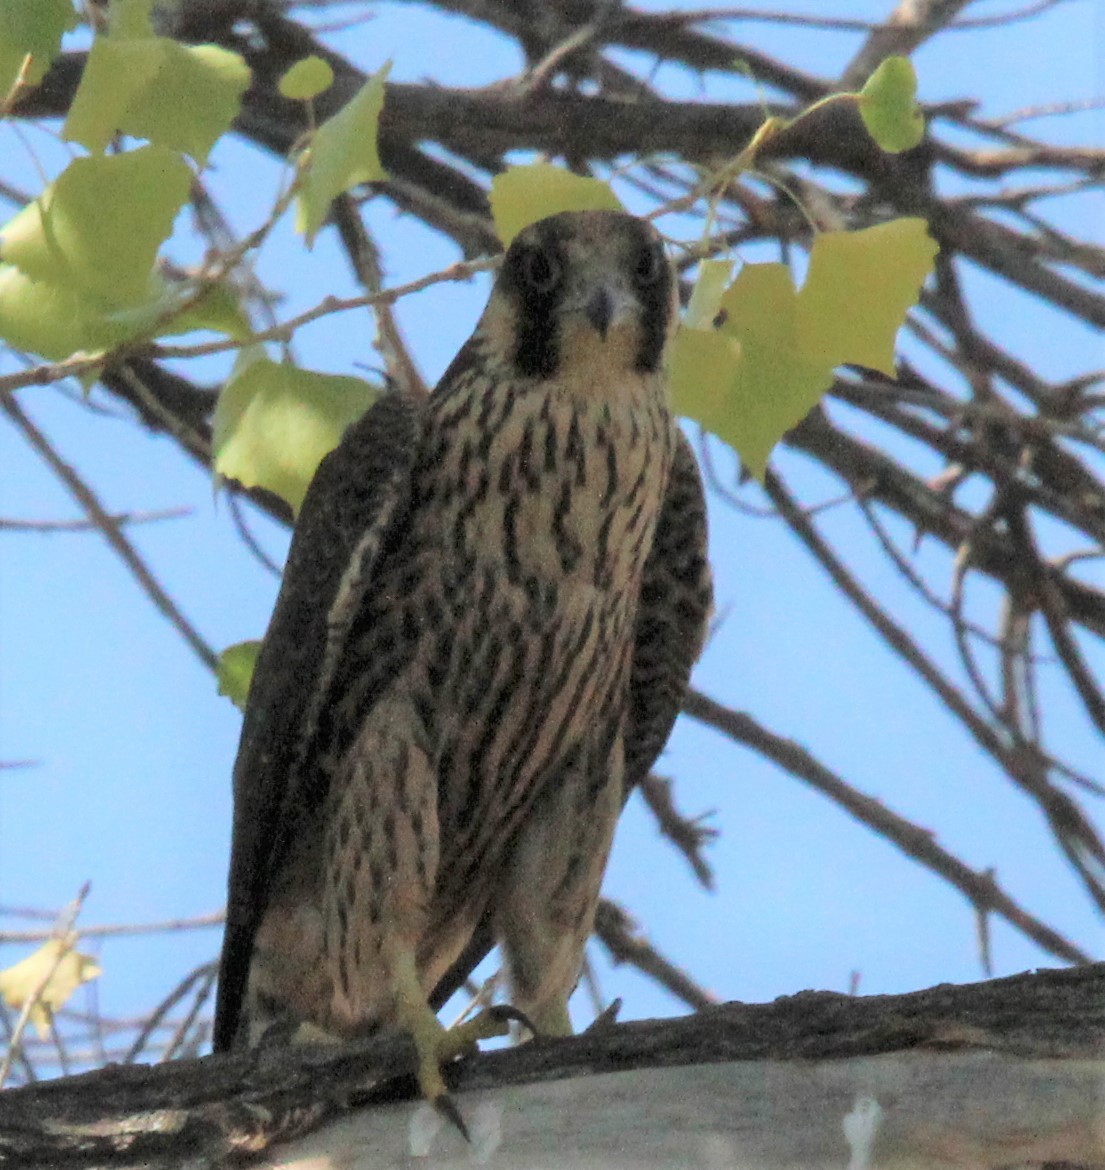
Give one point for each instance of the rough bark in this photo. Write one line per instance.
(1008, 1073)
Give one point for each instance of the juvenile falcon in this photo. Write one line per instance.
(491, 607)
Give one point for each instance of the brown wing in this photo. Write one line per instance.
(355, 501)
(676, 596)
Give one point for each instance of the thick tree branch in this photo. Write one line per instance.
(222, 1110)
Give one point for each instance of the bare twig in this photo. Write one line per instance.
(63, 930)
(84, 496)
(119, 930)
(365, 259)
(687, 835)
(979, 887)
(120, 519)
(204, 977)
(620, 935)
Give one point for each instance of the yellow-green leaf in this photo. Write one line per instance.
(713, 276)
(274, 422)
(50, 319)
(235, 671)
(216, 309)
(858, 290)
(31, 28)
(342, 154)
(131, 18)
(523, 195)
(784, 345)
(701, 372)
(55, 321)
(306, 79)
(88, 232)
(180, 96)
(776, 383)
(70, 969)
(888, 106)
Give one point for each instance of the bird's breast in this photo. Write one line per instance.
(556, 487)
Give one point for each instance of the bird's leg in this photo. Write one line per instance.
(551, 1018)
(552, 885)
(435, 1044)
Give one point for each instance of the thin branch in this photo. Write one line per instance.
(978, 887)
(910, 24)
(1028, 768)
(119, 930)
(1058, 626)
(621, 936)
(364, 256)
(204, 975)
(462, 270)
(18, 1052)
(246, 534)
(119, 519)
(686, 834)
(63, 930)
(84, 496)
(843, 24)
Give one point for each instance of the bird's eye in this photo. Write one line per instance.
(650, 264)
(540, 272)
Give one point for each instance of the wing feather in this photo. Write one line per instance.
(676, 598)
(354, 504)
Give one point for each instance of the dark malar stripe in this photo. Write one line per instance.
(655, 308)
(538, 351)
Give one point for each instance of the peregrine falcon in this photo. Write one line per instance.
(492, 603)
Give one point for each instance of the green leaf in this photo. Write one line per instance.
(523, 195)
(701, 373)
(887, 104)
(164, 314)
(235, 671)
(713, 276)
(773, 357)
(89, 233)
(218, 310)
(33, 27)
(131, 18)
(858, 290)
(50, 319)
(55, 321)
(275, 422)
(181, 96)
(342, 154)
(777, 384)
(306, 79)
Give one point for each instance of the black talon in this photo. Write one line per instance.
(505, 1013)
(447, 1107)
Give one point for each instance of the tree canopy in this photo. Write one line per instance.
(951, 489)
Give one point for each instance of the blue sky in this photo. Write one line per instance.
(132, 747)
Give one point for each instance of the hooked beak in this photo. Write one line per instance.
(600, 310)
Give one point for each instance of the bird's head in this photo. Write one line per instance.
(580, 288)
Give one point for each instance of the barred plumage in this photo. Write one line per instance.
(491, 607)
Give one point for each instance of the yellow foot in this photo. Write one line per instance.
(437, 1045)
(308, 1033)
(548, 1020)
